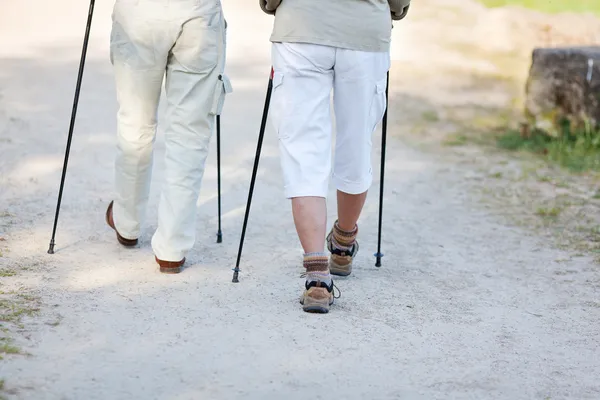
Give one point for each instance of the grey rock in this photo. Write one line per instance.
(564, 84)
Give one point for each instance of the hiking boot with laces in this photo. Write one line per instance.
(317, 297)
(340, 261)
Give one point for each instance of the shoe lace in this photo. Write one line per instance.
(339, 292)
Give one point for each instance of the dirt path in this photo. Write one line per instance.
(464, 307)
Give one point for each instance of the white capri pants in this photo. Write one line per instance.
(304, 76)
(183, 43)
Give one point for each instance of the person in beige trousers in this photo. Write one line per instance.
(181, 43)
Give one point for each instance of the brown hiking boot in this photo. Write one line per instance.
(340, 261)
(317, 297)
(110, 221)
(170, 267)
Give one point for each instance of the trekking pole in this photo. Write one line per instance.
(379, 254)
(219, 233)
(261, 135)
(72, 124)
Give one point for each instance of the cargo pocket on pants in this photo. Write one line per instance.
(378, 105)
(277, 104)
(222, 88)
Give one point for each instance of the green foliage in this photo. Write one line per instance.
(548, 212)
(430, 116)
(455, 140)
(7, 348)
(578, 151)
(550, 6)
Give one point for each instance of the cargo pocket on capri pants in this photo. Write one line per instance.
(277, 105)
(378, 104)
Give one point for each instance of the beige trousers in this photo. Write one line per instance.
(180, 42)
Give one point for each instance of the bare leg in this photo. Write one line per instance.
(349, 209)
(301, 115)
(310, 218)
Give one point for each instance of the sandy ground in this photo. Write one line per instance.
(465, 306)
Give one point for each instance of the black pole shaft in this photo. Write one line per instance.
(72, 124)
(219, 232)
(379, 254)
(254, 171)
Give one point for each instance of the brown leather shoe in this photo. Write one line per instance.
(170, 267)
(110, 221)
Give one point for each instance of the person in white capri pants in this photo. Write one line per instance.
(319, 47)
(181, 43)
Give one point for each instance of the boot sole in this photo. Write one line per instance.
(315, 309)
(315, 306)
(167, 270)
(170, 267)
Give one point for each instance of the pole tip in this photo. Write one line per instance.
(378, 259)
(51, 248)
(219, 237)
(236, 272)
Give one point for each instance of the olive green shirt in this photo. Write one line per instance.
(364, 25)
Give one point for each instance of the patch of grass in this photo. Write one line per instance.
(6, 348)
(496, 175)
(430, 116)
(14, 307)
(455, 140)
(4, 272)
(552, 212)
(27, 297)
(15, 311)
(544, 178)
(595, 234)
(549, 6)
(576, 151)
(513, 140)
(596, 195)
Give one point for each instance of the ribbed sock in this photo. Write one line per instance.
(343, 240)
(317, 268)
